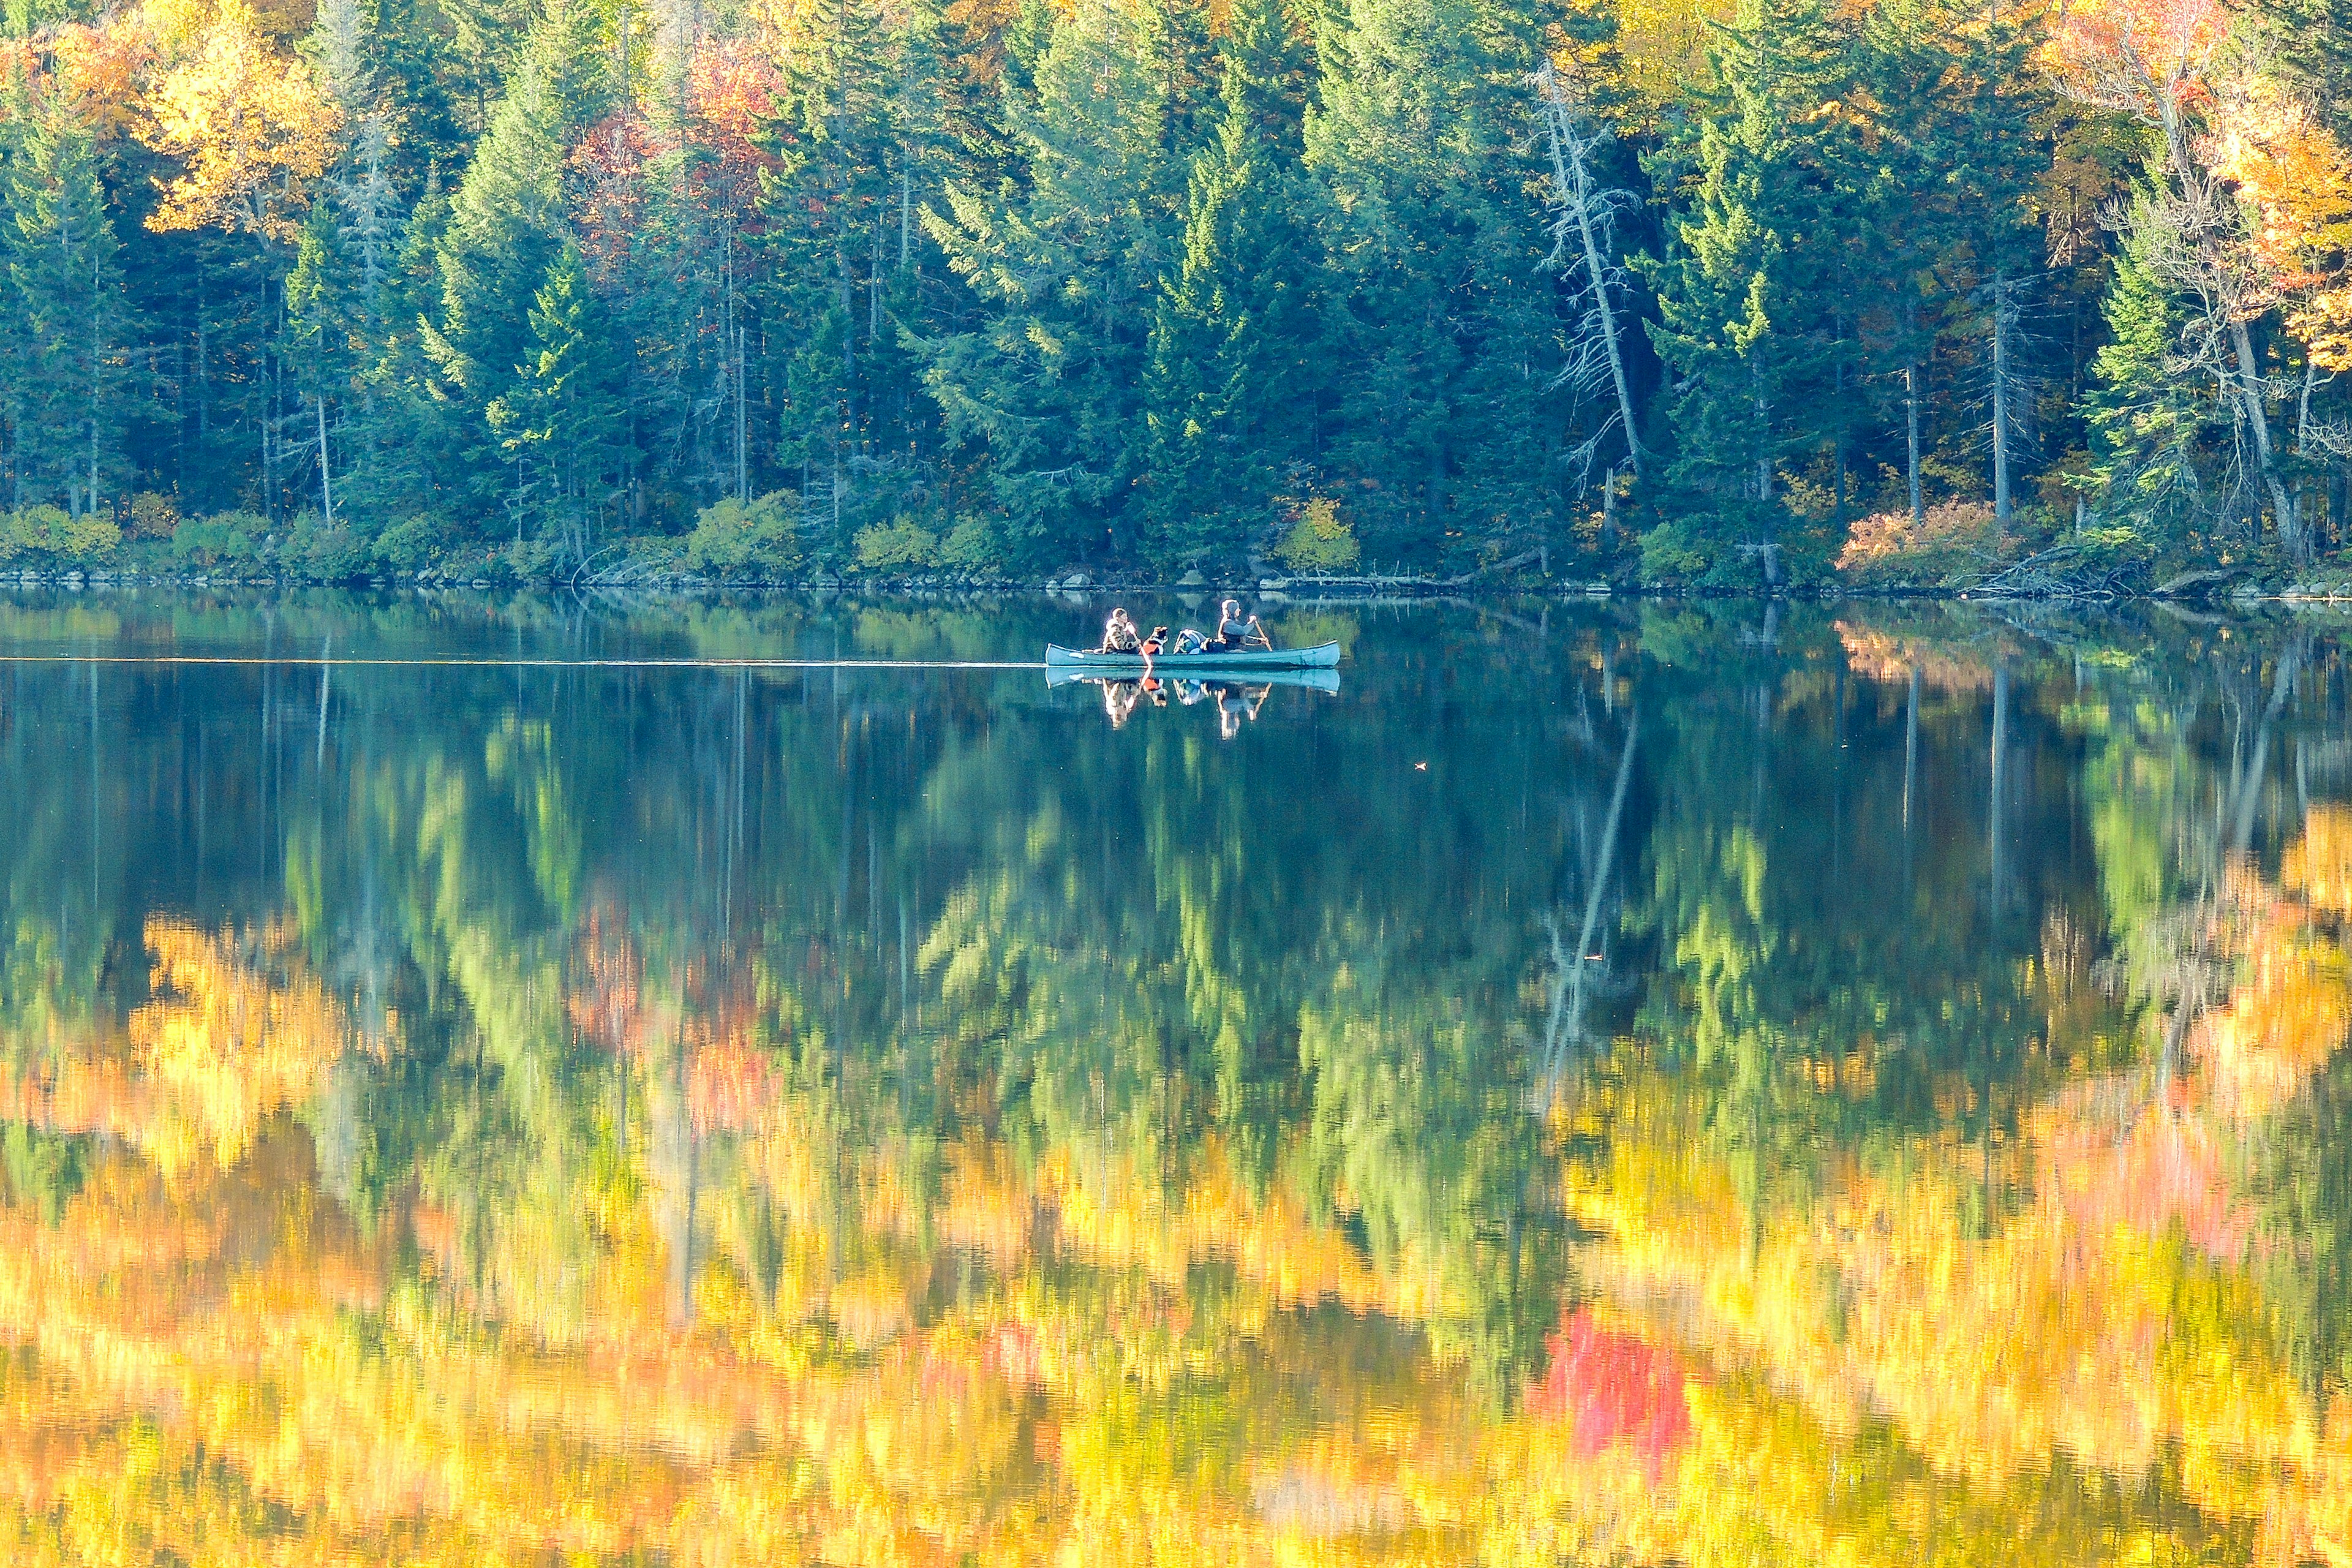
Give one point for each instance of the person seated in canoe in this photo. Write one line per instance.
(1233, 633)
(1119, 635)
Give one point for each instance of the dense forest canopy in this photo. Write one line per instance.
(1732, 293)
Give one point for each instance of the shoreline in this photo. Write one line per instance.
(1084, 587)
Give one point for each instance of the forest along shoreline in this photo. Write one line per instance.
(2207, 590)
(2036, 300)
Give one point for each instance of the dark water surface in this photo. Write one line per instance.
(1616, 1083)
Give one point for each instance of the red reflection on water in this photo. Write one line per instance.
(1614, 1388)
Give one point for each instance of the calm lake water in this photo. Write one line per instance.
(1613, 1083)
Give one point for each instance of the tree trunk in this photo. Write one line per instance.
(1573, 180)
(2003, 508)
(326, 483)
(2249, 399)
(203, 389)
(1837, 491)
(1911, 418)
(97, 372)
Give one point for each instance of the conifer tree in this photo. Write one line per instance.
(321, 341)
(858, 140)
(560, 422)
(1424, 147)
(508, 222)
(1231, 381)
(1745, 303)
(2154, 416)
(414, 432)
(68, 322)
(1067, 264)
(1911, 211)
(1990, 157)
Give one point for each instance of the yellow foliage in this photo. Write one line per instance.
(1662, 48)
(2284, 1021)
(1320, 540)
(1026, 1370)
(1878, 656)
(2085, 1321)
(224, 1042)
(248, 126)
(153, 516)
(99, 69)
(2298, 177)
(2318, 866)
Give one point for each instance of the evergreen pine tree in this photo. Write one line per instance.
(1912, 216)
(561, 420)
(1066, 263)
(1993, 156)
(2153, 422)
(322, 341)
(860, 141)
(413, 433)
(1746, 302)
(1229, 377)
(1442, 316)
(68, 379)
(508, 222)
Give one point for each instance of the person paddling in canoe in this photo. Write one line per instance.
(1233, 633)
(1119, 635)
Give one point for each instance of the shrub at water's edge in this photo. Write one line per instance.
(1320, 539)
(758, 538)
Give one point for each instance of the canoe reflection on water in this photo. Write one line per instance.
(1236, 700)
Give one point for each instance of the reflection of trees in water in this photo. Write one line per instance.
(1872, 1123)
(1845, 969)
(1031, 1117)
(1148, 987)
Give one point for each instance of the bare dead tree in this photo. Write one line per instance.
(1582, 230)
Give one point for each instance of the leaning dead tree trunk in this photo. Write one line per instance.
(1581, 235)
(1564, 1029)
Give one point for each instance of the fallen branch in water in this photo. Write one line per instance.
(2061, 572)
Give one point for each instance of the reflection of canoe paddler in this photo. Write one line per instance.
(1236, 702)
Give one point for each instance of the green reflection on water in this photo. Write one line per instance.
(1655, 1083)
